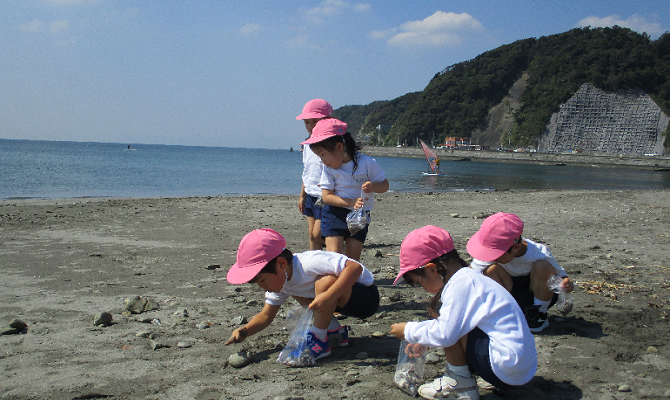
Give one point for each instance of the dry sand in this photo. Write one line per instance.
(64, 261)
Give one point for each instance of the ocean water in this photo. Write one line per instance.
(49, 169)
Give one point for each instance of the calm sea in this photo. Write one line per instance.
(48, 169)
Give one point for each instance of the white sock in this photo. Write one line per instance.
(334, 324)
(544, 305)
(322, 334)
(461, 370)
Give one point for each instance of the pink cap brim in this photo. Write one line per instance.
(237, 275)
(311, 115)
(478, 251)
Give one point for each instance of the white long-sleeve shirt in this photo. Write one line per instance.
(471, 300)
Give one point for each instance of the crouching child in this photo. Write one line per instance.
(323, 281)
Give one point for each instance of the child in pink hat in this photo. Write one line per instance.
(521, 265)
(479, 324)
(347, 182)
(321, 280)
(313, 112)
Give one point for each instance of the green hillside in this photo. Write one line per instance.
(457, 100)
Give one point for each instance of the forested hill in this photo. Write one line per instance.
(457, 100)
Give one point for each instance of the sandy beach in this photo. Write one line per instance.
(65, 261)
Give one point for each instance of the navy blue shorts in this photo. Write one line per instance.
(477, 354)
(310, 209)
(363, 303)
(334, 223)
(522, 294)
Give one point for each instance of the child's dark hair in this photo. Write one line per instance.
(271, 266)
(350, 146)
(441, 262)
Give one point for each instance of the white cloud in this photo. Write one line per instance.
(328, 7)
(39, 26)
(362, 7)
(634, 22)
(251, 29)
(439, 29)
(58, 26)
(36, 25)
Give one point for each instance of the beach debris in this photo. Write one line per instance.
(213, 267)
(378, 334)
(241, 359)
(102, 319)
(203, 325)
(410, 368)
(251, 303)
(481, 215)
(395, 296)
(239, 320)
(138, 305)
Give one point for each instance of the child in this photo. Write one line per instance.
(314, 111)
(479, 324)
(522, 266)
(321, 280)
(347, 174)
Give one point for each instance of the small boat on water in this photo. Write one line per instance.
(433, 161)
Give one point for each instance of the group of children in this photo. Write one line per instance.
(488, 309)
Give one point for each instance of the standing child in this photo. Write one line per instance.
(347, 177)
(479, 324)
(321, 280)
(522, 266)
(313, 112)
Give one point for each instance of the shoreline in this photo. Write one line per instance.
(638, 162)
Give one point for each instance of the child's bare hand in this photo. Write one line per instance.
(568, 285)
(359, 203)
(413, 350)
(238, 335)
(399, 330)
(321, 301)
(367, 187)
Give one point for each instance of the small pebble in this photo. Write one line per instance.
(362, 355)
(652, 349)
(239, 320)
(624, 388)
(202, 325)
(240, 359)
(103, 318)
(667, 393)
(143, 334)
(183, 345)
(378, 334)
(18, 324)
(395, 297)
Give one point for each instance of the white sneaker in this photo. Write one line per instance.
(450, 386)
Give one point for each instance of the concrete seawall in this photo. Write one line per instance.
(641, 162)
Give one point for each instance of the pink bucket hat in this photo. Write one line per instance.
(325, 129)
(317, 108)
(421, 246)
(257, 248)
(497, 234)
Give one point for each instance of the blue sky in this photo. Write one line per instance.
(236, 73)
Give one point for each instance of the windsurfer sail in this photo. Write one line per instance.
(433, 159)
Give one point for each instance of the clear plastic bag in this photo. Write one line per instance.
(411, 364)
(357, 220)
(319, 202)
(564, 304)
(296, 353)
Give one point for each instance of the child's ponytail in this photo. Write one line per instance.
(351, 148)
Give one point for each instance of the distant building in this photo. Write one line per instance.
(456, 142)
